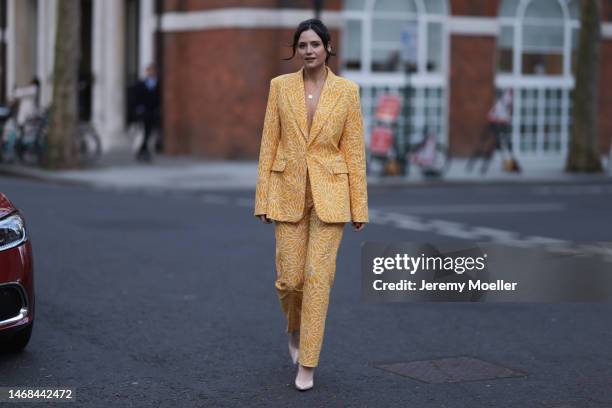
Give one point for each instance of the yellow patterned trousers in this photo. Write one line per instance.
(305, 268)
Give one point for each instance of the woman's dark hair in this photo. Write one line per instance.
(319, 28)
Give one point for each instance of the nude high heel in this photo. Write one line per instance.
(303, 386)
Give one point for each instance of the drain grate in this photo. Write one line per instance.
(450, 370)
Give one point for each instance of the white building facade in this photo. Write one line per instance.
(447, 59)
(118, 38)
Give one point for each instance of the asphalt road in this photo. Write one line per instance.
(155, 300)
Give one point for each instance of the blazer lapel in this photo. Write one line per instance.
(295, 93)
(327, 101)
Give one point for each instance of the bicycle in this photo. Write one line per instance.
(429, 155)
(30, 143)
(8, 134)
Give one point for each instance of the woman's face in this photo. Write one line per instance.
(310, 48)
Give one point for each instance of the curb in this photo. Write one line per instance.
(373, 183)
(34, 174)
(585, 179)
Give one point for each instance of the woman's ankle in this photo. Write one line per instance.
(306, 368)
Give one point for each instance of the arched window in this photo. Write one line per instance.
(401, 47)
(535, 54)
(394, 35)
(540, 35)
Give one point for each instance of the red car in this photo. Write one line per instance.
(16, 279)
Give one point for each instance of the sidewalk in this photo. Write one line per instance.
(119, 170)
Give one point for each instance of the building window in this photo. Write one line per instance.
(352, 46)
(399, 47)
(378, 33)
(536, 50)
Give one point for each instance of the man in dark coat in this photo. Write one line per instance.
(147, 109)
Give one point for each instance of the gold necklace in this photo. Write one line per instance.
(310, 96)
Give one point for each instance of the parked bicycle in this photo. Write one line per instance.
(30, 143)
(8, 134)
(30, 139)
(428, 154)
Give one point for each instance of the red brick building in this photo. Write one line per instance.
(455, 55)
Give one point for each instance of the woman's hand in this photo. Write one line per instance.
(358, 226)
(265, 219)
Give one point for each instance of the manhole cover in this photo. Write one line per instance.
(450, 369)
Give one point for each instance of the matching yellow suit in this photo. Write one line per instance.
(310, 183)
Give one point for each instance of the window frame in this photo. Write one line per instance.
(534, 87)
(422, 83)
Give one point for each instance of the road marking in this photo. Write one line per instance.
(573, 190)
(453, 229)
(460, 230)
(245, 202)
(214, 199)
(448, 228)
(477, 208)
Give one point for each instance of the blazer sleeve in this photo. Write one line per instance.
(352, 146)
(267, 151)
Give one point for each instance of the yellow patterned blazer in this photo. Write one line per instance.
(333, 153)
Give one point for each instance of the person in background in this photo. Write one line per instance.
(499, 121)
(27, 96)
(147, 109)
(500, 118)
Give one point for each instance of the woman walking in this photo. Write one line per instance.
(311, 181)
